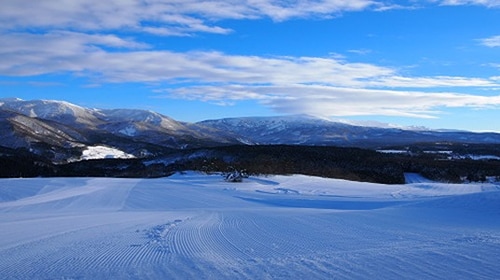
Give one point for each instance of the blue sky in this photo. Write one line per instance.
(433, 63)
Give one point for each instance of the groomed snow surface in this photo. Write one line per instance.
(195, 226)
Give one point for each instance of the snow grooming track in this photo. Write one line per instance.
(197, 227)
(109, 247)
(228, 244)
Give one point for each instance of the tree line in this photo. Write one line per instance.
(333, 162)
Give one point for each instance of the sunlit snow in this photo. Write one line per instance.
(195, 226)
(102, 152)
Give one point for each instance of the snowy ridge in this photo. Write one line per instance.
(69, 113)
(295, 129)
(50, 110)
(36, 124)
(139, 116)
(308, 130)
(279, 227)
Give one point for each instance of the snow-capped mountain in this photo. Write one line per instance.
(58, 111)
(62, 131)
(307, 130)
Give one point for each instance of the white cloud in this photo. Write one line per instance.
(74, 37)
(31, 54)
(491, 41)
(328, 86)
(283, 10)
(396, 81)
(114, 59)
(360, 51)
(179, 17)
(487, 3)
(162, 17)
(25, 54)
(330, 101)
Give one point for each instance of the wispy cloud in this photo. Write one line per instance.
(166, 17)
(328, 86)
(491, 42)
(75, 37)
(487, 3)
(360, 51)
(114, 59)
(25, 54)
(337, 101)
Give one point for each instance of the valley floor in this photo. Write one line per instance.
(195, 226)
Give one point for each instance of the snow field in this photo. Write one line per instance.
(195, 226)
(101, 152)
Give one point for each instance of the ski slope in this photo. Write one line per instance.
(194, 226)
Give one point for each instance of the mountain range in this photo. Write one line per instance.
(62, 132)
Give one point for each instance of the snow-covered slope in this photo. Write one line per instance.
(195, 226)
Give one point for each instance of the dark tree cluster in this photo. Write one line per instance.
(22, 163)
(333, 162)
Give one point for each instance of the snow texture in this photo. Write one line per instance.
(102, 152)
(129, 131)
(194, 226)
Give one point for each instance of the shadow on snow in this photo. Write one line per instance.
(324, 204)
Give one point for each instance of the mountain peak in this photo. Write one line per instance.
(65, 129)
(9, 99)
(44, 109)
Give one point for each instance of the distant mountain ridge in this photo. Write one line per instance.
(307, 130)
(61, 131)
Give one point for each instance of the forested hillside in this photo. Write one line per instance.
(333, 162)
